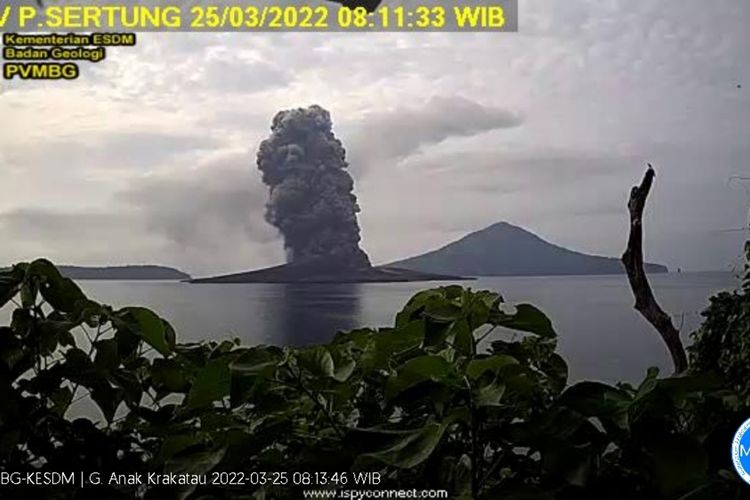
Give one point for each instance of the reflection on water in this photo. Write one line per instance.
(600, 334)
(312, 313)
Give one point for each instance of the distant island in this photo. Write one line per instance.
(325, 271)
(133, 272)
(498, 250)
(503, 249)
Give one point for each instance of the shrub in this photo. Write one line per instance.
(418, 403)
(722, 343)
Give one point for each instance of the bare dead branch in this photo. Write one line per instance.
(645, 302)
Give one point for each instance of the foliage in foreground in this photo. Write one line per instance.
(722, 343)
(417, 402)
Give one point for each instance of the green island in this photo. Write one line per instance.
(465, 393)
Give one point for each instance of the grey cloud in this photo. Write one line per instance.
(142, 150)
(241, 119)
(552, 166)
(210, 217)
(149, 149)
(207, 218)
(238, 76)
(47, 226)
(396, 134)
(75, 237)
(205, 207)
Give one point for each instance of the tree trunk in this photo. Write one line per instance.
(645, 302)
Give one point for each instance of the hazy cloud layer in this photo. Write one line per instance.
(384, 137)
(150, 156)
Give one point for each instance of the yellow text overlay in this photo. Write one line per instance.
(453, 16)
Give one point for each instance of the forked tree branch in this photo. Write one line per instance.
(645, 302)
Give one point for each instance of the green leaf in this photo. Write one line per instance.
(415, 306)
(167, 374)
(477, 367)
(594, 399)
(439, 309)
(526, 319)
(10, 283)
(127, 340)
(212, 383)
(67, 339)
(462, 337)
(77, 363)
(173, 445)
(489, 298)
(327, 362)
(574, 463)
(108, 399)
(401, 339)
(677, 462)
(28, 293)
(91, 313)
(250, 370)
(318, 361)
(649, 383)
(489, 394)
(412, 449)
(462, 478)
(418, 370)
(61, 399)
(61, 293)
(11, 355)
(169, 335)
(344, 365)
(557, 369)
(256, 361)
(150, 327)
(702, 382)
(106, 354)
(344, 371)
(131, 387)
(9, 441)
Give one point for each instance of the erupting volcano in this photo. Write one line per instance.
(311, 201)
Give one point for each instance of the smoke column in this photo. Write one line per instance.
(311, 199)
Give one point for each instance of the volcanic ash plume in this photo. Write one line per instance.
(311, 200)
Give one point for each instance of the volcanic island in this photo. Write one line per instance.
(312, 203)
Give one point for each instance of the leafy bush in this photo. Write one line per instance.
(418, 402)
(722, 343)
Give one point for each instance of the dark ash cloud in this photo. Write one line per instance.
(311, 199)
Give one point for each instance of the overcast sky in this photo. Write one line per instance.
(150, 156)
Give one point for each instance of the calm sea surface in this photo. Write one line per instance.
(601, 335)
